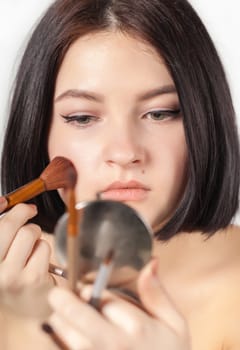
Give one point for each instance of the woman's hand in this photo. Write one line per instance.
(120, 325)
(24, 256)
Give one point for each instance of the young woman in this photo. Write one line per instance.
(134, 94)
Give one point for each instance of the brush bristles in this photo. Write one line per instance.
(60, 173)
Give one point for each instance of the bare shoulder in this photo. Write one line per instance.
(227, 291)
(228, 268)
(210, 298)
(232, 251)
(232, 297)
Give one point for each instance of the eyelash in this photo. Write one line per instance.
(164, 114)
(81, 120)
(84, 120)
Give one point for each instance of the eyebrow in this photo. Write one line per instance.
(91, 96)
(75, 93)
(163, 90)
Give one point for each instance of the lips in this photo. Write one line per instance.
(125, 191)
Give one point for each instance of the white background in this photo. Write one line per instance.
(18, 16)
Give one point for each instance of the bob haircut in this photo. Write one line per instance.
(210, 198)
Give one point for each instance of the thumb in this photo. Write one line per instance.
(157, 302)
(3, 204)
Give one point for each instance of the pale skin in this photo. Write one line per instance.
(134, 132)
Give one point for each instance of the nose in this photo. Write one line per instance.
(124, 149)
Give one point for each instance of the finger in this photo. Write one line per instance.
(123, 314)
(81, 316)
(69, 334)
(3, 204)
(157, 301)
(22, 246)
(86, 291)
(10, 224)
(36, 269)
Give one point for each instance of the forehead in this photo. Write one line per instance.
(112, 58)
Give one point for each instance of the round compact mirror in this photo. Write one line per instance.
(107, 226)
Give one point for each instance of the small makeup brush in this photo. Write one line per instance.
(60, 173)
(102, 278)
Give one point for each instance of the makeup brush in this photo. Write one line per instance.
(73, 240)
(102, 278)
(60, 173)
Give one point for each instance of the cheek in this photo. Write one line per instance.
(66, 142)
(172, 151)
(173, 163)
(80, 159)
(179, 167)
(81, 152)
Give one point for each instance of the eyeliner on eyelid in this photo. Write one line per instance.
(85, 119)
(172, 111)
(166, 112)
(79, 117)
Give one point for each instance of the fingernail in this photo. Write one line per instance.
(55, 338)
(47, 328)
(154, 267)
(154, 278)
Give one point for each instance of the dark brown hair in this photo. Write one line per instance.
(210, 198)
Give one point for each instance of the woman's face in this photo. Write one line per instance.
(116, 117)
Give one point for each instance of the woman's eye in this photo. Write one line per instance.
(162, 114)
(79, 120)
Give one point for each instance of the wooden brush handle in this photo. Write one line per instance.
(72, 226)
(72, 242)
(25, 192)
